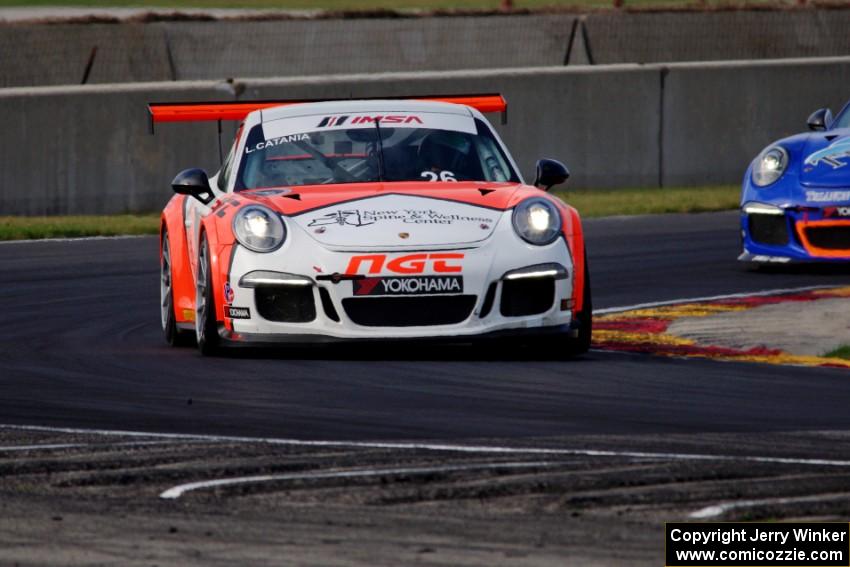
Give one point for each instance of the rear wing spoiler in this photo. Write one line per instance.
(218, 111)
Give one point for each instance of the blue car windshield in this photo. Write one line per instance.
(406, 152)
(843, 120)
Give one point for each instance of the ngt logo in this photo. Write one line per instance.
(442, 263)
(331, 121)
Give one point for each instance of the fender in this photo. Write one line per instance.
(182, 281)
(574, 234)
(220, 254)
(217, 225)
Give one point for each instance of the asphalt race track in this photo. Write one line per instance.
(81, 347)
(386, 455)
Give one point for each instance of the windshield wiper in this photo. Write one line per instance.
(380, 150)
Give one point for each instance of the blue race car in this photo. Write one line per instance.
(795, 200)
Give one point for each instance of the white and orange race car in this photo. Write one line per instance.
(369, 219)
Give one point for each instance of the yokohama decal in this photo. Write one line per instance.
(422, 285)
(836, 211)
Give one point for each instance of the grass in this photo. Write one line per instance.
(841, 352)
(590, 203)
(28, 228)
(360, 5)
(610, 202)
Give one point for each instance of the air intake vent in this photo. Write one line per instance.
(530, 296)
(488, 300)
(829, 237)
(769, 229)
(409, 311)
(286, 304)
(328, 305)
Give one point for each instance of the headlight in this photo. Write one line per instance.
(259, 229)
(770, 165)
(537, 221)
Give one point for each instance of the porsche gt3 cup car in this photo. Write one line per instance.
(372, 219)
(795, 203)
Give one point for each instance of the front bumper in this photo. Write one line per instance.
(796, 235)
(490, 304)
(231, 339)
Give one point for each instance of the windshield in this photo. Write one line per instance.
(843, 120)
(361, 148)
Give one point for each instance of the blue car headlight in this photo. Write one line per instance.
(259, 229)
(537, 221)
(769, 166)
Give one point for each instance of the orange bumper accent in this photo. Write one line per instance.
(801, 226)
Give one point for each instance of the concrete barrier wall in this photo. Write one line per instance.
(203, 50)
(716, 36)
(87, 149)
(717, 117)
(59, 54)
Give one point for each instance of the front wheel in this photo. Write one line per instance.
(581, 343)
(563, 346)
(206, 326)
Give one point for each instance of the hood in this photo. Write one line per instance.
(398, 220)
(825, 160)
(394, 214)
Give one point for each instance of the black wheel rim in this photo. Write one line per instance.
(201, 304)
(165, 283)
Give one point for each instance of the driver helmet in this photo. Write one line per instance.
(443, 150)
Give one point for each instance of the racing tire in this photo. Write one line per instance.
(581, 344)
(562, 346)
(172, 334)
(206, 326)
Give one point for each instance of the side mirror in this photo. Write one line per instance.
(820, 119)
(195, 183)
(550, 173)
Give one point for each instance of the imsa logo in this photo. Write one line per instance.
(331, 121)
(423, 285)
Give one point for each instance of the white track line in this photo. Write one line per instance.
(720, 509)
(77, 239)
(443, 447)
(711, 298)
(178, 491)
(40, 447)
(51, 446)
